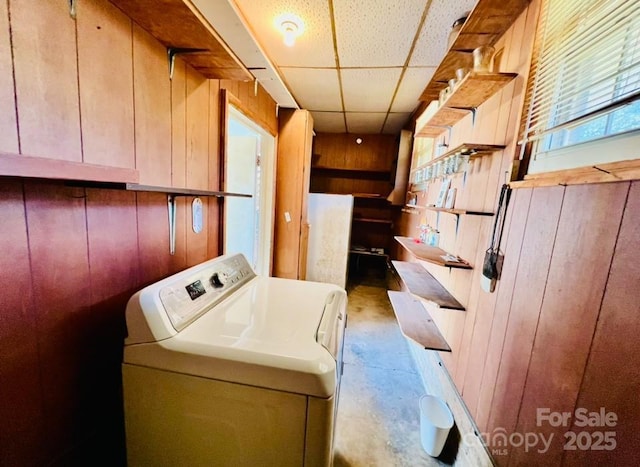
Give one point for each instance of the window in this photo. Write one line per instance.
(582, 105)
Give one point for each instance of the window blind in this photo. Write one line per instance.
(585, 73)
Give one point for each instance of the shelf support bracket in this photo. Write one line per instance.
(72, 8)
(171, 202)
(473, 111)
(473, 115)
(173, 52)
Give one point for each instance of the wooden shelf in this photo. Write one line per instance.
(367, 174)
(178, 24)
(423, 285)
(416, 323)
(488, 21)
(430, 254)
(459, 212)
(469, 94)
(369, 196)
(369, 253)
(472, 150)
(89, 175)
(182, 191)
(15, 165)
(372, 221)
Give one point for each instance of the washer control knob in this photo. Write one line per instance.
(216, 282)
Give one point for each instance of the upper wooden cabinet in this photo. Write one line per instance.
(177, 24)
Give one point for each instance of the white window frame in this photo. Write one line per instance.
(609, 148)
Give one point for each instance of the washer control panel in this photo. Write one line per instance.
(189, 297)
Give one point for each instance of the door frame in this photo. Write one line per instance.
(267, 202)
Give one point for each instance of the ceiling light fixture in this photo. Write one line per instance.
(291, 28)
(358, 140)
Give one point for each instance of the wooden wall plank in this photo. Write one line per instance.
(197, 248)
(8, 119)
(486, 304)
(114, 277)
(60, 282)
(153, 237)
(197, 158)
(46, 79)
(20, 398)
(612, 376)
(152, 91)
(106, 84)
(179, 125)
(519, 212)
(585, 241)
(540, 230)
(179, 258)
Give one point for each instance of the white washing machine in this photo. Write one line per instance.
(226, 368)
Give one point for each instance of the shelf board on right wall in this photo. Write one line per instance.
(430, 254)
(471, 92)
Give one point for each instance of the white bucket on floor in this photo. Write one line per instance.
(435, 422)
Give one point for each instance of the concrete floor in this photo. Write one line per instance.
(378, 418)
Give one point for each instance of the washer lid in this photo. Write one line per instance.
(264, 334)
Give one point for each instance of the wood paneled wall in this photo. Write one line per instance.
(340, 151)
(559, 330)
(92, 90)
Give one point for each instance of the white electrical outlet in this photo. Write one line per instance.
(287, 216)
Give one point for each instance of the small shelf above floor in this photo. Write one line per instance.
(470, 93)
(430, 254)
(375, 196)
(423, 285)
(416, 323)
(372, 221)
(336, 172)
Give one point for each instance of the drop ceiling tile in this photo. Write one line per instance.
(315, 88)
(432, 43)
(328, 122)
(369, 89)
(395, 122)
(314, 48)
(376, 32)
(364, 122)
(413, 83)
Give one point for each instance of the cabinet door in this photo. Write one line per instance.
(46, 74)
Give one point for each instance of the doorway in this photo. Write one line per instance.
(249, 168)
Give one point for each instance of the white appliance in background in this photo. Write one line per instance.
(329, 237)
(223, 367)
